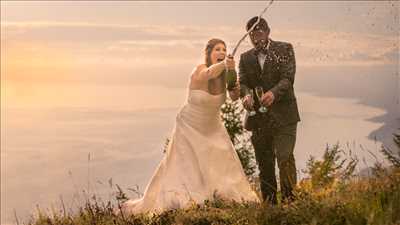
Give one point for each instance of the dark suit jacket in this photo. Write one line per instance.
(277, 76)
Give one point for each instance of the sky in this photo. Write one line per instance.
(76, 47)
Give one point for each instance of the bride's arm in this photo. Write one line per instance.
(211, 72)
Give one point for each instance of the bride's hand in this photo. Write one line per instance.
(230, 62)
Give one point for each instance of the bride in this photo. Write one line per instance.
(200, 160)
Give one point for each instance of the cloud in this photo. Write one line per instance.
(61, 31)
(62, 54)
(136, 47)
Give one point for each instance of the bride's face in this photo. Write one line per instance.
(218, 53)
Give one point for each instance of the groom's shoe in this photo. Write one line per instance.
(288, 198)
(271, 199)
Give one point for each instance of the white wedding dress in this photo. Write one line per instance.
(200, 160)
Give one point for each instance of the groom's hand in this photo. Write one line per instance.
(248, 102)
(267, 98)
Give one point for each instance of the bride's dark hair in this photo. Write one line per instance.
(209, 47)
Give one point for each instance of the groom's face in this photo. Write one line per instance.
(258, 38)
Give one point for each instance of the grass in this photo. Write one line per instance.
(331, 194)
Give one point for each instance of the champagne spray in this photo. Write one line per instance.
(231, 75)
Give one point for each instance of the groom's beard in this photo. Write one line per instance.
(261, 46)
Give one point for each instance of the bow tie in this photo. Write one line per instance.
(261, 51)
(264, 49)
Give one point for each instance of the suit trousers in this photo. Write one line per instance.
(270, 145)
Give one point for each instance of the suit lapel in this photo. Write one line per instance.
(254, 62)
(271, 58)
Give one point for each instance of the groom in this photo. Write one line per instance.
(271, 65)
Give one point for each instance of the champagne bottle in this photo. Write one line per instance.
(231, 78)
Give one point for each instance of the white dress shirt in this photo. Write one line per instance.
(261, 59)
(261, 56)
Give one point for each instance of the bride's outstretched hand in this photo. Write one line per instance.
(230, 62)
